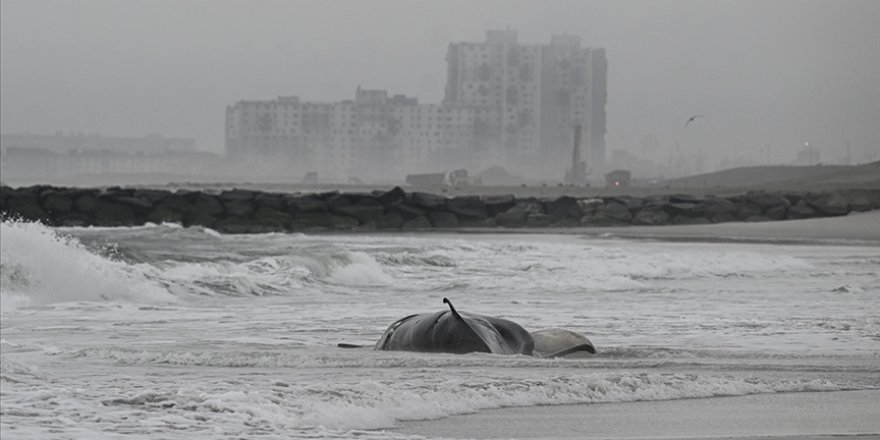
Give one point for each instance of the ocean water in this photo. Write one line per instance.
(182, 333)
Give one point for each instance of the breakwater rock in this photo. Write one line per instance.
(244, 211)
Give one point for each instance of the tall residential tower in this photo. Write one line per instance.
(532, 97)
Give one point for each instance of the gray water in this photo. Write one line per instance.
(178, 333)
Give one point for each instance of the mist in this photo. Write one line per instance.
(769, 78)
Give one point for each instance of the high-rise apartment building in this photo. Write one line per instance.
(533, 96)
(374, 136)
(505, 104)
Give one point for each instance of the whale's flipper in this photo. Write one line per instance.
(567, 351)
(557, 342)
(344, 345)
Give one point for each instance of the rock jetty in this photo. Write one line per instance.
(245, 211)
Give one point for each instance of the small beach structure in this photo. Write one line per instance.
(618, 179)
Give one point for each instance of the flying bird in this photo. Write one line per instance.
(691, 119)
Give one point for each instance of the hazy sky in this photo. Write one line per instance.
(762, 72)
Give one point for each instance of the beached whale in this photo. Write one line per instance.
(450, 331)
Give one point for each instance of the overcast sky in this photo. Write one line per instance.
(774, 73)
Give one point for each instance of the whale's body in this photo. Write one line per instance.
(449, 331)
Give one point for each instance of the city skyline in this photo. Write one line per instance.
(507, 103)
(764, 74)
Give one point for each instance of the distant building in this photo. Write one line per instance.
(40, 164)
(64, 143)
(374, 136)
(505, 104)
(618, 179)
(531, 97)
(59, 157)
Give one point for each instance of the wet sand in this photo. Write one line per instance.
(767, 416)
(858, 228)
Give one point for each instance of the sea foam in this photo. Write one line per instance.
(41, 266)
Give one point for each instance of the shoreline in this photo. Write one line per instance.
(766, 416)
(856, 228)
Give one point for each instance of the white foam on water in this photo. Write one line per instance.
(41, 266)
(248, 350)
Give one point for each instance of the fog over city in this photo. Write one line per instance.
(768, 79)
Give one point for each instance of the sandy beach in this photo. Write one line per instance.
(765, 416)
(857, 228)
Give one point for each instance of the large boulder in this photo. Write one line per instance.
(237, 194)
(712, 207)
(407, 210)
(746, 210)
(563, 207)
(239, 207)
(612, 213)
(468, 207)
(174, 208)
(498, 203)
(829, 204)
(206, 205)
(685, 198)
(430, 202)
(58, 202)
(365, 212)
(776, 212)
(265, 213)
(238, 203)
(861, 199)
(155, 196)
(443, 219)
(109, 213)
(337, 201)
(136, 203)
(27, 206)
(304, 204)
(269, 200)
(396, 194)
(631, 203)
(5, 194)
(686, 209)
(391, 220)
(801, 210)
(589, 206)
(765, 200)
(416, 223)
(86, 203)
(651, 216)
(522, 214)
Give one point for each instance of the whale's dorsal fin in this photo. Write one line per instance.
(484, 330)
(451, 308)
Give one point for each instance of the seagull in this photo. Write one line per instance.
(691, 119)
